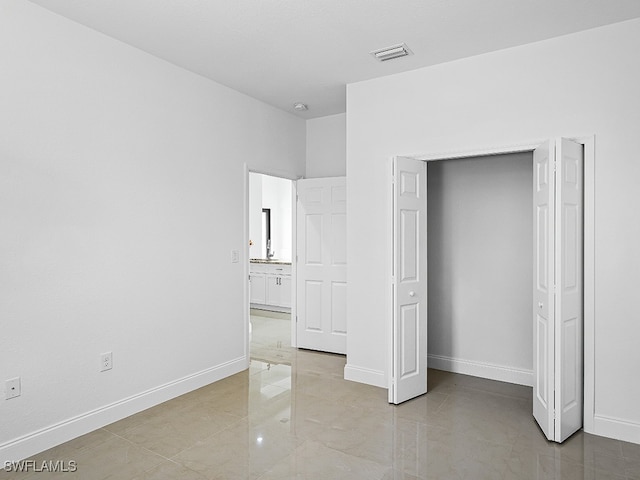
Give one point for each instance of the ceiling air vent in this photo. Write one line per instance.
(389, 53)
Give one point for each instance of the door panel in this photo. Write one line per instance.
(558, 322)
(409, 243)
(313, 304)
(569, 375)
(339, 307)
(273, 291)
(257, 288)
(543, 296)
(322, 264)
(338, 239)
(313, 237)
(409, 346)
(409, 332)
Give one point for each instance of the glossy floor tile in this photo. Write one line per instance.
(297, 418)
(271, 336)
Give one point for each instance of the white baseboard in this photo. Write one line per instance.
(376, 378)
(484, 370)
(36, 442)
(616, 428)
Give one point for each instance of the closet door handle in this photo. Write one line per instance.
(412, 293)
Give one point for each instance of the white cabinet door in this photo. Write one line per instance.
(409, 340)
(279, 290)
(557, 290)
(285, 291)
(270, 285)
(257, 288)
(322, 264)
(274, 291)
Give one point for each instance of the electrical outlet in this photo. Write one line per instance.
(235, 256)
(12, 388)
(106, 361)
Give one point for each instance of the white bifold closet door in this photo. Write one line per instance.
(557, 288)
(409, 344)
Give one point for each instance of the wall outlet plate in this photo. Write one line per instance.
(106, 361)
(13, 389)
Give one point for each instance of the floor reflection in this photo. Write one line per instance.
(271, 336)
(302, 420)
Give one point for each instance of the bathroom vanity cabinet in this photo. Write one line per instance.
(270, 285)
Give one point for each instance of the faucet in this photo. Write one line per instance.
(270, 254)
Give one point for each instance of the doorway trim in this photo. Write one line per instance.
(245, 257)
(588, 142)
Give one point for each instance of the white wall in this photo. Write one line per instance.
(580, 84)
(326, 146)
(276, 195)
(480, 237)
(121, 198)
(255, 215)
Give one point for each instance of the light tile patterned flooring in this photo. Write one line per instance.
(271, 336)
(303, 421)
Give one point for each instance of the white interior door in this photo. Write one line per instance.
(543, 287)
(409, 340)
(569, 289)
(558, 320)
(322, 264)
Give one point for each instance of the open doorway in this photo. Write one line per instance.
(301, 282)
(480, 244)
(270, 270)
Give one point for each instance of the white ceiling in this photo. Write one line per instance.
(286, 51)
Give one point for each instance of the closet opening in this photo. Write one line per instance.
(497, 248)
(480, 266)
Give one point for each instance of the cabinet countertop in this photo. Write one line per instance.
(269, 262)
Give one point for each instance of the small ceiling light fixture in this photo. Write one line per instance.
(389, 53)
(300, 107)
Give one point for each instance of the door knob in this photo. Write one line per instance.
(539, 304)
(412, 293)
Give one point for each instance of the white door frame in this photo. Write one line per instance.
(589, 251)
(244, 256)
